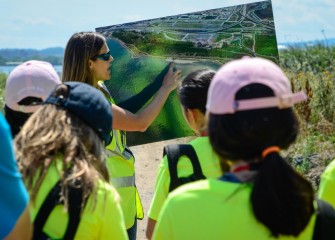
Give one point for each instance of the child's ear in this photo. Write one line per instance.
(191, 115)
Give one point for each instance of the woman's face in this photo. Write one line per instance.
(102, 66)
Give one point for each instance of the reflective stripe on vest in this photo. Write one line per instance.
(120, 182)
(127, 155)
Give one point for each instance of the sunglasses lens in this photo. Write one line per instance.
(106, 56)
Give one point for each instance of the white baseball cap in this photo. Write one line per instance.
(236, 74)
(30, 79)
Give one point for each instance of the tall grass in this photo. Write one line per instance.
(3, 78)
(311, 69)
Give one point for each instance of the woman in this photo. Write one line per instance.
(262, 197)
(60, 151)
(88, 59)
(193, 96)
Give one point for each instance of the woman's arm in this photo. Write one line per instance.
(140, 121)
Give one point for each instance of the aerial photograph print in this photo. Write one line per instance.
(142, 51)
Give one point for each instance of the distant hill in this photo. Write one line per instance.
(55, 51)
(53, 55)
(330, 42)
(26, 52)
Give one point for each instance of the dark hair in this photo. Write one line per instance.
(193, 89)
(17, 119)
(281, 198)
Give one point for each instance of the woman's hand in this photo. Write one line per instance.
(140, 121)
(171, 79)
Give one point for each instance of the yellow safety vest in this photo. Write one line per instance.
(120, 163)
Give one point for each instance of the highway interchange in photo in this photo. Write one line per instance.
(233, 29)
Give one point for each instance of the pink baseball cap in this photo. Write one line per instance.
(30, 79)
(236, 74)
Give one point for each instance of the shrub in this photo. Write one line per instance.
(3, 78)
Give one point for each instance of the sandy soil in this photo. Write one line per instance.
(148, 157)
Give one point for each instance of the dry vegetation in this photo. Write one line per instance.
(312, 69)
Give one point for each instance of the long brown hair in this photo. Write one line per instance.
(54, 134)
(81, 47)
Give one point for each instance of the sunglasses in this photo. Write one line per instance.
(103, 56)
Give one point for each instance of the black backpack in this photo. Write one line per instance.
(325, 221)
(173, 153)
(74, 210)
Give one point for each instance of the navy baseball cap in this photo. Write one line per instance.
(89, 104)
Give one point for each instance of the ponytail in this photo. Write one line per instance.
(281, 198)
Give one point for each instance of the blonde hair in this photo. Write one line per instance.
(52, 132)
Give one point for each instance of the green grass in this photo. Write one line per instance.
(157, 45)
(265, 44)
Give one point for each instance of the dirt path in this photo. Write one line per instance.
(148, 157)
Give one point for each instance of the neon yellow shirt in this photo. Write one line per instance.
(210, 165)
(327, 184)
(102, 219)
(214, 209)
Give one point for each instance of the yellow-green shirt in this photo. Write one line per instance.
(327, 184)
(214, 209)
(102, 219)
(210, 165)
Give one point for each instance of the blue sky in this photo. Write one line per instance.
(43, 23)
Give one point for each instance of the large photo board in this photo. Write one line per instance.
(207, 39)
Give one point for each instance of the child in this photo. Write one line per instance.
(27, 86)
(193, 96)
(60, 150)
(14, 201)
(251, 118)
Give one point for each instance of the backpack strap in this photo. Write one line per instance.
(51, 201)
(173, 153)
(325, 221)
(75, 207)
